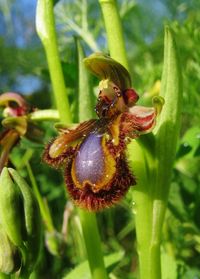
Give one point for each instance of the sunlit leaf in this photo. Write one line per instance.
(82, 271)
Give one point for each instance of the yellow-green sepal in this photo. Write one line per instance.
(104, 67)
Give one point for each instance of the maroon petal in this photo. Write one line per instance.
(65, 144)
(58, 161)
(138, 120)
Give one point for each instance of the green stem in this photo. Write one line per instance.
(88, 219)
(44, 115)
(24, 274)
(150, 194)
(4, 276)
(46, 31)
(93, 244)
(114, 31)
(148, 244)
(46, 216)
(148, 212)
(85, 94)
(154, 170)
(45, 25)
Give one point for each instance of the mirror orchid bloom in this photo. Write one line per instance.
(93, 153)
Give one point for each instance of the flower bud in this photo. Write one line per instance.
(10, 258)
(55, 243)
(11, 208)
(32, 219)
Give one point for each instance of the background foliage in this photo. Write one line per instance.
(23, 69)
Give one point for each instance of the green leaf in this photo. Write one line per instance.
(45, 27)
(70, 73)
(82, 270)
(55, 2)
(169, 267)
(176, 204)
(190, 273)
(188, 166)
(192, 138)
(4, 276)
(167, 129)
(183, 150)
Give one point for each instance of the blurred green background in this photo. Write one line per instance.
(23, 69)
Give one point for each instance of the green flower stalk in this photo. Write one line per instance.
(84, 90)
(167, 129)
(114, 32)
(44, 115)
(153, 167)
(151, 156)
(45, 26)
(88, 219)
(46, 31)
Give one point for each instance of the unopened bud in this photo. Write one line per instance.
(55, 243)
(10, 258)
(32, 215)
(11, 208)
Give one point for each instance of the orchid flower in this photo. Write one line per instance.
(93, 154)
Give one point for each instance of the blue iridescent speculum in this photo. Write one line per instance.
(89, 160)
(92, 154)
